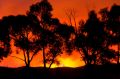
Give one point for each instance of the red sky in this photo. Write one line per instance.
(14, 7)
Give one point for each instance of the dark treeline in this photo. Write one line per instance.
(39, 31)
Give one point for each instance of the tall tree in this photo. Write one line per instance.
(48, 39)
(42, 10)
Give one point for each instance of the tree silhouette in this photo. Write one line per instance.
(114, 25)
(48, 40)
(92, 41)
(21, 28)
(110, 19)
(43, 11)
(4, 38)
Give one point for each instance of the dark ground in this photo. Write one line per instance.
(86, 72)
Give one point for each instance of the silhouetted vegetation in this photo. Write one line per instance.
(38, 32)
(48, 40)
(4, 39)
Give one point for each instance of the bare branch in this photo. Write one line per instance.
(25, 58)
(34, 54)
(68, 14)
(51, 63)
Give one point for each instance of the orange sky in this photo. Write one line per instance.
(14, 7)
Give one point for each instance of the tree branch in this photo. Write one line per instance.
(51, 62)
(25, 58)
(18, 58)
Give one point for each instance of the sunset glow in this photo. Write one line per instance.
(81, 7)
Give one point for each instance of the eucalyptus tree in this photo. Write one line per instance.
(48, 40)
(91, 40)
(20, 27)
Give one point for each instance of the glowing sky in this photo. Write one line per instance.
(14, 7)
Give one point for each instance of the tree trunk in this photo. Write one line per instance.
(118, 53)
(28, 54)
(44, 59)
(28, 65)
(87, 58)
(51, 62)
(45, 71)
(94, 57)
(25, 60)
(28, 59)
(50, 65)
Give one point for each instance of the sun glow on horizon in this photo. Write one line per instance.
(64, 61)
